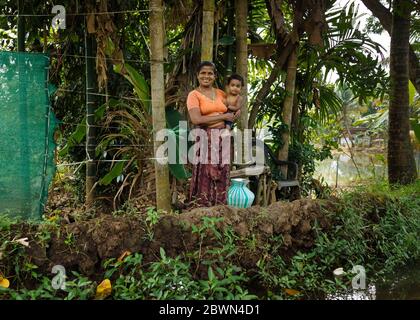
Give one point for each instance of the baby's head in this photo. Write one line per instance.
(235, 82)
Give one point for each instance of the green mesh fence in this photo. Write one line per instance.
(26, 131)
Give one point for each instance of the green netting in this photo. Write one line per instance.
(26, 131)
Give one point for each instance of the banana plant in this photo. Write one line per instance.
(80, 132)
(131, 143)
(380, 118)
(173, 117)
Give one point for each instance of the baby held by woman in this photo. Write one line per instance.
(233, 99)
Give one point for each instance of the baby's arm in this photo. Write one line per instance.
(237, 105)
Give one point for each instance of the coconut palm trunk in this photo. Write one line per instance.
(241, 12)
(163, 199)
(288, 108)
(401, 164)
(207, 31)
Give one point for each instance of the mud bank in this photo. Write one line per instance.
(83, 246)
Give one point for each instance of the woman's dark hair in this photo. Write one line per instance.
(206, 64)
(236, 76)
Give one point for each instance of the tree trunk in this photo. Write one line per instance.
(297, 128)
(230, 33)
(207, 31)
(385, 18)
(401, 164)
(288, 108)
(295, 114)
(241, 10)
(163, 196)
(90, 119)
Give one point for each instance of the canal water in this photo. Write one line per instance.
(342, 171)
(404, 284)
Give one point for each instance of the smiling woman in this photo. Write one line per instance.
(207, 110)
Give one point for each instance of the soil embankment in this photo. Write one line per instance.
(84, 245)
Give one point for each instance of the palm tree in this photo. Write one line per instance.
(163, 199)
(385, 18)
(401, 164)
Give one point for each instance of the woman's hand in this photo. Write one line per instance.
(229, 116)
(198, 119)
(237, 114)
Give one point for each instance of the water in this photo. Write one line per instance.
(403, 284)
(343, 171)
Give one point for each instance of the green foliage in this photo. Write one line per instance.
(78, 288)
(351, 53)
(376, 118)
(415, 125)
(173, 118)
(151, 220)
(124, 128)
(346, 52)
(306, 155)
(115, 172)
(169, 279)
(139, 83)
(125, 135)
(79, 133)
(330, 104)
(375, 227)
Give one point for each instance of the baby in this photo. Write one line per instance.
(233, 99)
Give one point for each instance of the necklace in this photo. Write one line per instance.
(213, 94)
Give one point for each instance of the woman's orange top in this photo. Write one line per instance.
(207, 106)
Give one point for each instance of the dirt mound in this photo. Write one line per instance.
(84, 245)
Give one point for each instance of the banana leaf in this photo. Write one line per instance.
(411, 92)
(173, 117)
(415, 126)
(79, 134)
(139, 83)
(116, 171)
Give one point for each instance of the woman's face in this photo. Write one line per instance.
(206, 76)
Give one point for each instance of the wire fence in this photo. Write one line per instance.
(74, 14)
(65, 55)
(103, 95)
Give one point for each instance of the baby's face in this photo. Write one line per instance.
(235, 87)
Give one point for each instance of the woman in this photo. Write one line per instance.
(207, 111)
